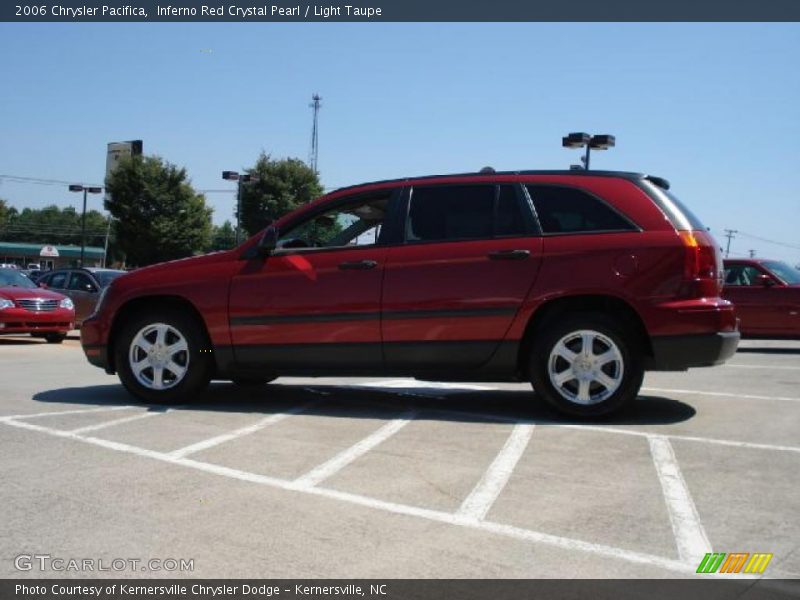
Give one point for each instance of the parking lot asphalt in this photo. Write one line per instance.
(378, 478)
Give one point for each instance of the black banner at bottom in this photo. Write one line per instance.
(397, 589)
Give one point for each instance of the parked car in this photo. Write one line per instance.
(766, 294)
(577, 281)
(24, 308)
(84, 286)
(34, 274)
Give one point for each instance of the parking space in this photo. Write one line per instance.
(401, 478)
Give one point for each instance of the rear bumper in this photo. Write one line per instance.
(681, 352)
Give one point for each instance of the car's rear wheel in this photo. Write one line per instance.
(55, 338)
(588, 365)
(162, 357)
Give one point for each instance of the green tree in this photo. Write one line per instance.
(224, 237)
(5, 212)
(282, 186)
(53, 225)
(159, 215)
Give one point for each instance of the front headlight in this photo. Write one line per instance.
(6, 303)
(67, 303)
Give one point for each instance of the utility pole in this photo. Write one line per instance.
(314, 155)
(752, 253)
(105, 247)
(729, 233)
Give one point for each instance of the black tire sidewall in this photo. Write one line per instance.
(614, 329)
(200, 362)
(55, 338)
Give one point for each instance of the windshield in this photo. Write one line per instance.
(788, 274)
(106, 277)
(9, 278)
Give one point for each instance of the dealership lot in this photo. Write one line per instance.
(397, 477)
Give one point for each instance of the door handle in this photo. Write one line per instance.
(509, 255)
(358, 265)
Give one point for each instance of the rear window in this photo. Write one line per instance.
(679, 215)
(570, 210)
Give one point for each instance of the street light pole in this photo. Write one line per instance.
(239, 179)
(85, 190)
(580, 140)
(238, 209)
(83, 227)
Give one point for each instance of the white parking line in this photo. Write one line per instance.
(780, 368)
(373, 503)
(99, 426)
(65, 412)
(733, 395)
(690, 536)
(337, 463)
(482, 497)
(237, 433)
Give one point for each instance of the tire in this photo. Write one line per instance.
(599, 383)
(166, 346)
(55, 338)
(252, 381)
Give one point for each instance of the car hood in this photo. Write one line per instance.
(17, 293)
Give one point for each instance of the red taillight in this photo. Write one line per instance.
(703, 266)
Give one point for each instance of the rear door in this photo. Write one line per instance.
(451, 290)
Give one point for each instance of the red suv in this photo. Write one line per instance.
(575, 281)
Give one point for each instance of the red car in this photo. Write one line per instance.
(575, 281)
(766, 294)
(24, 308)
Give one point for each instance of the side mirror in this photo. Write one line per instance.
(765, 280)
(43, 285)
(268, 241)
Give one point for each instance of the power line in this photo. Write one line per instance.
(767, 241)
(41, 180)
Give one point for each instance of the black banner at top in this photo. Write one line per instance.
(399, 10)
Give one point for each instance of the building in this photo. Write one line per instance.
(49, 257)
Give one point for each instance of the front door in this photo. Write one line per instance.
(314, 304)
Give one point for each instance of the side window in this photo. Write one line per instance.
(356, 224)
(58, 281)
(509, 218)
(742, 275)
(570, 210)
(81, 282)
(464, 212)
(450, 212)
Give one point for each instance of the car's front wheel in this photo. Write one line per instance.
(163, 357)
(588, 365)
(55, 338)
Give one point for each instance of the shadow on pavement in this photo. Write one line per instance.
(753, 350)
(374, 402)
(20, 341)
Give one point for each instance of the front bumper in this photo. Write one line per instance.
(681, 352)
(19, 320)
(93, 344)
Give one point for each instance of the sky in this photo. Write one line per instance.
(712, 107)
